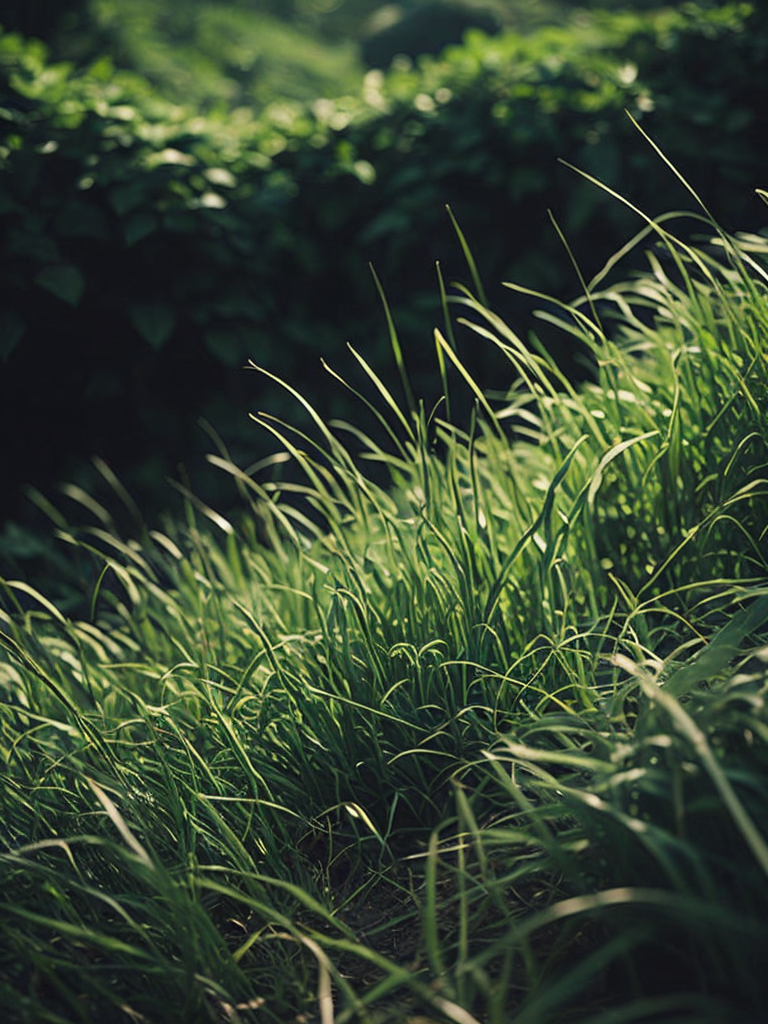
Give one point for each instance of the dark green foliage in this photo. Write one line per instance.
(147, 253)
(429, 28)
(43, 19)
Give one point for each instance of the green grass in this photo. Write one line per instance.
(466, 727)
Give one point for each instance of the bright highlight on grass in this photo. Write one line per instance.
(466, 725)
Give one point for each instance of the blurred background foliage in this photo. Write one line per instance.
(186, 187)
(251, 51)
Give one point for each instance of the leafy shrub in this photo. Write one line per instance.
(148, 252)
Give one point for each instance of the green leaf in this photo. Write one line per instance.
(129, 196)
(220, 176)
(138, 226)
(62, 280)
(154, 320)
(721, 650)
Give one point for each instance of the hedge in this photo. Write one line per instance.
(146, 253)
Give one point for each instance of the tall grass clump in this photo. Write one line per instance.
(465, 725)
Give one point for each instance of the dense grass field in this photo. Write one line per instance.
(466, 727)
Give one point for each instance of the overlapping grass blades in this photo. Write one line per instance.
(478, 736)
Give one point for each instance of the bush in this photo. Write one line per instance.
(148, 252)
